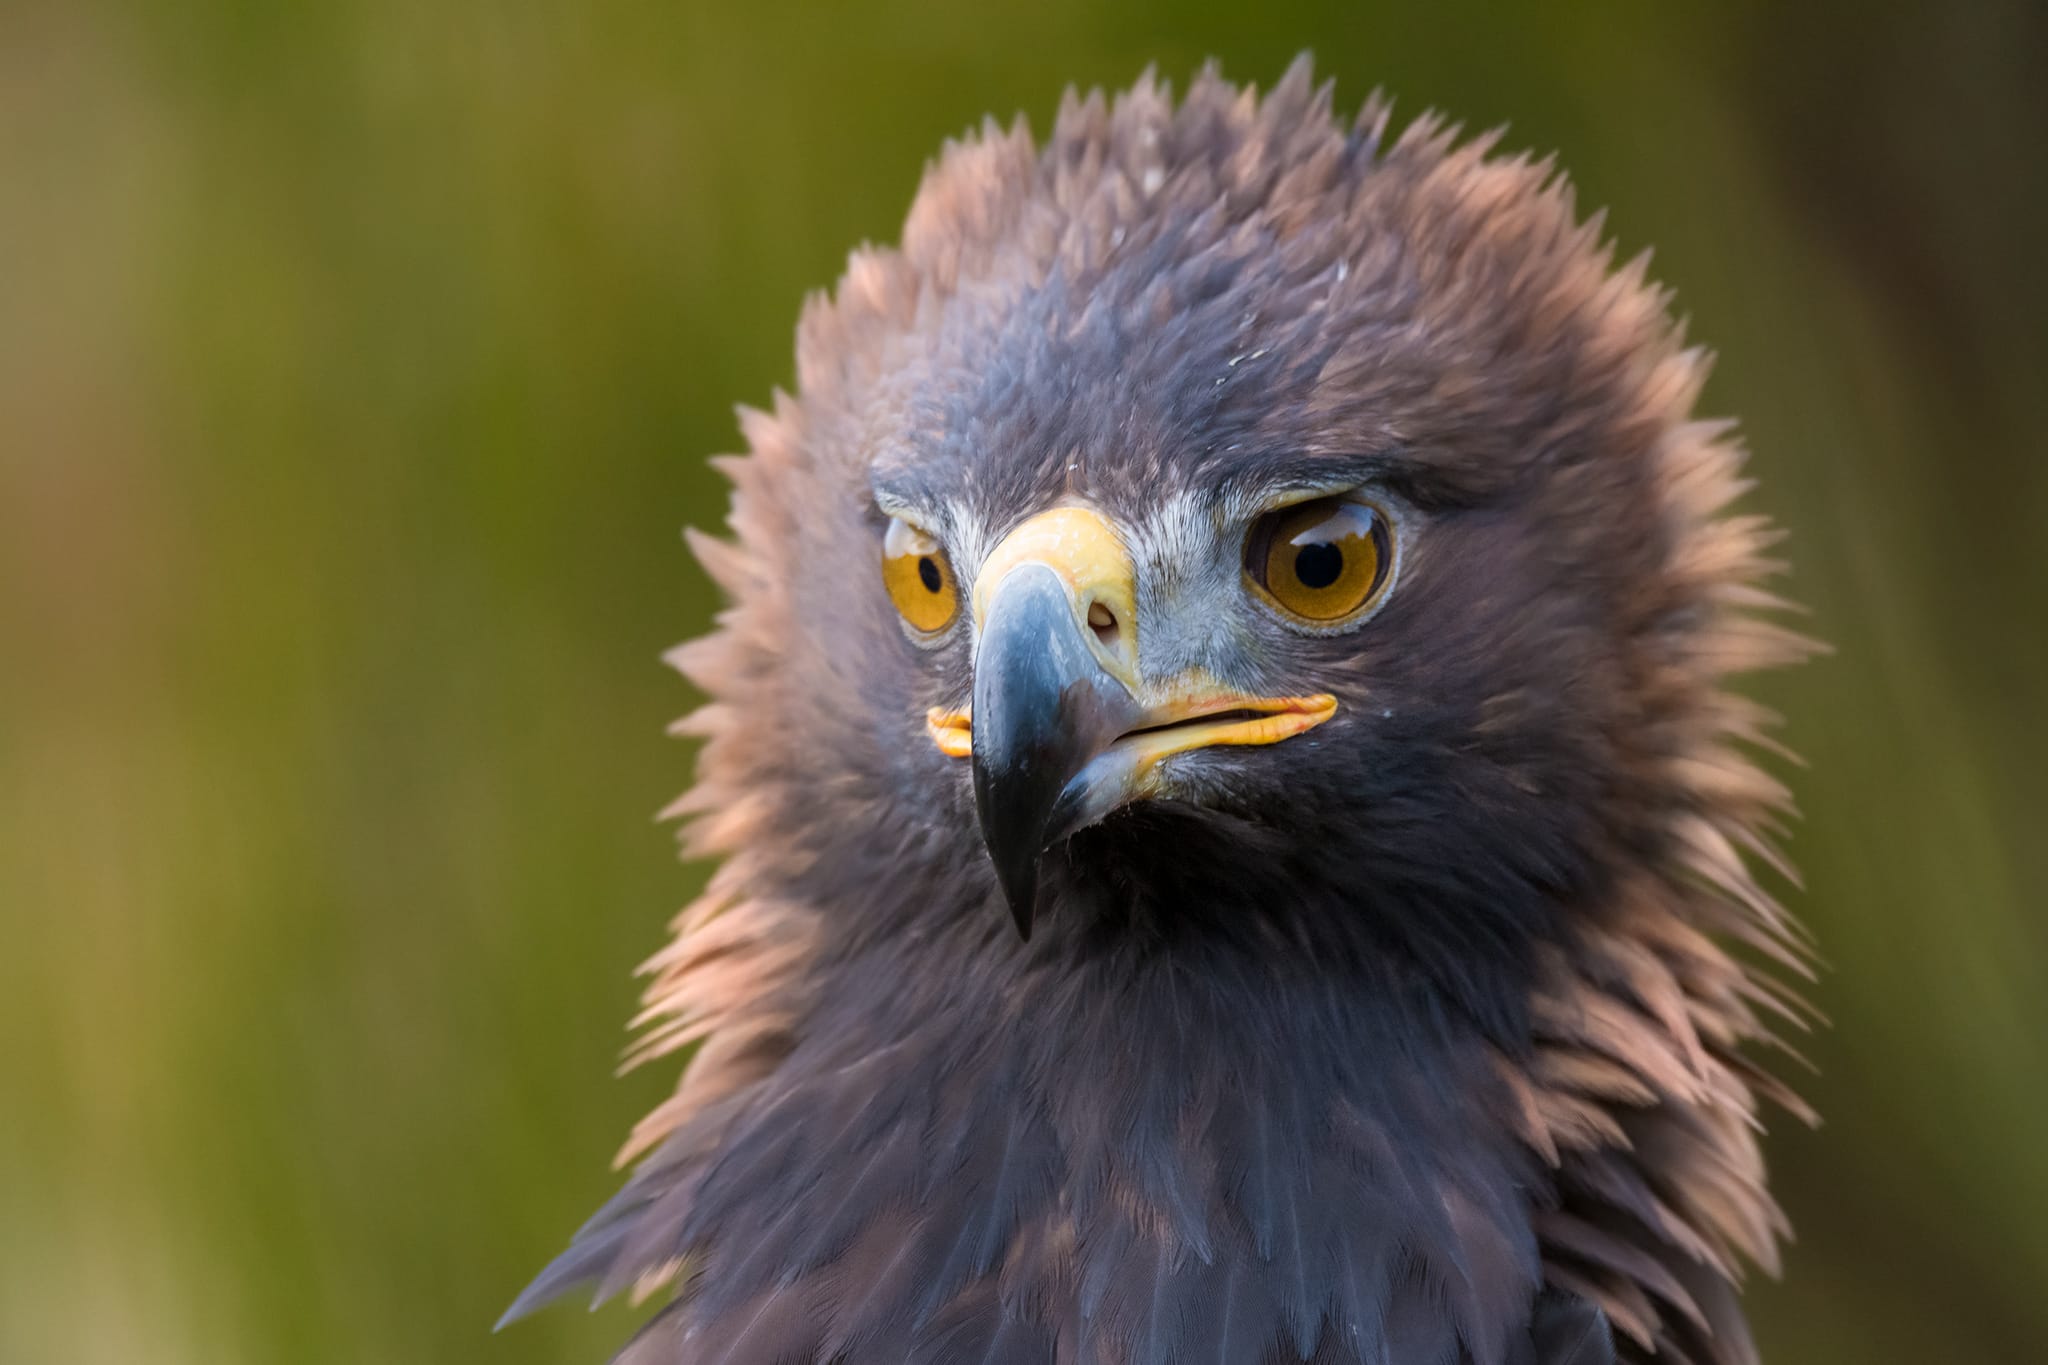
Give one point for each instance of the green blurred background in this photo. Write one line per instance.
(358, 363)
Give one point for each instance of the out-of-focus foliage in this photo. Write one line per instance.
(358, 363)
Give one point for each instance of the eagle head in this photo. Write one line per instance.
(1232, 829)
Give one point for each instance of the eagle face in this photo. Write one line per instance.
(1365, 470)
(1213, 613)
(1277, 570)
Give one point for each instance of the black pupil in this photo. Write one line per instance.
(1319, 564)
(928, 574)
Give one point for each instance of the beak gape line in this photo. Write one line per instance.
(1063, 728)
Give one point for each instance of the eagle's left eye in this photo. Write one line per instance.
(1322, 562)
(919, 579)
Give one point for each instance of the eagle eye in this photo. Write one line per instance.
(1323, 562)
(918, 577)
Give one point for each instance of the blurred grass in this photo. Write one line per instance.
(357, 366)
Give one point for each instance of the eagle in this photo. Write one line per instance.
(1235, 844)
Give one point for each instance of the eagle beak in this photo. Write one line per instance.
(1063, 729)
(1044, 706)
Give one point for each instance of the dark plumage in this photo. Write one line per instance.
(1414, 1037)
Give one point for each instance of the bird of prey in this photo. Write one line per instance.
(1236, 844)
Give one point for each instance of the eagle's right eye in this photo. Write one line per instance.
(919, 579)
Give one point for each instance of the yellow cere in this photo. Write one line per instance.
(1078, 545)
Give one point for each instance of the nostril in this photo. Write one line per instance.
(1102, 621)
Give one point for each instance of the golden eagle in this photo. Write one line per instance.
(1235, 844)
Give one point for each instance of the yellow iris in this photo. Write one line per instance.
(919, 579)
(1321, 561)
